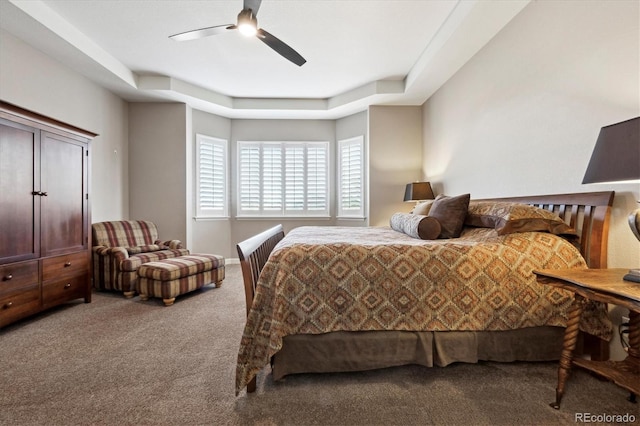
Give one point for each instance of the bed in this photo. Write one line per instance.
(332, 299)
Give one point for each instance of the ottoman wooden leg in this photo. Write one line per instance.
(144, 297)
(129, 294)
(169, 302)
(218, 284)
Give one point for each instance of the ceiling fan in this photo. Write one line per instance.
(248, 26)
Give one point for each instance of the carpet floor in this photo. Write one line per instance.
(120, 361)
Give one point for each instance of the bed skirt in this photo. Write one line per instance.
(345, 351)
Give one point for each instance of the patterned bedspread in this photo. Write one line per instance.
(323, 279)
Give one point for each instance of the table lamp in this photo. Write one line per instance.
(616, 159)
(418, 191)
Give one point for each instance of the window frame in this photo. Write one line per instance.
(211, 213)
(283, 212)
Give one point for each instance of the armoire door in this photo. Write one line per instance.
(64, 195)
(19, 185)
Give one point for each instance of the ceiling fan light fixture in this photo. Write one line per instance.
(247, 23)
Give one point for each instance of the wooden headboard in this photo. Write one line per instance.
(586, 212)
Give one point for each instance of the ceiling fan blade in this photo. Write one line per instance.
(254, 5)
(281, 47)
(202, 32)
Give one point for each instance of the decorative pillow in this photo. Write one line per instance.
(416, 226)
(423, 208)
(509, 218)
(143, 249)
(450, 212)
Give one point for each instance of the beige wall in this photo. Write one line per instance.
(395, 159)
(158, 166)
(523, 115)
(33, 80)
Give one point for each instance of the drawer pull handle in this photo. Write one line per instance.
(67, 285)
(67, 264)
(8, 305)
(7, 277)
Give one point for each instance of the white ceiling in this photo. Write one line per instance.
(358, 52)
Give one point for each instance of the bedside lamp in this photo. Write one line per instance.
(616, 159)
(418, 191)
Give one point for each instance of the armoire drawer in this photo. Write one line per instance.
(18, 275)
(16, 305)
(65, 266)
(57, 291)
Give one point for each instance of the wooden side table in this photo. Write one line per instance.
(603, 285)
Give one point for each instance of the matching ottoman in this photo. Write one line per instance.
(169, 278)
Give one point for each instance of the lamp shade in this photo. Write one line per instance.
(616, 156)
(418, 191)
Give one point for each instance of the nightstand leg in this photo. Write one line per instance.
(634, 346)
(568, 346)
(634, 335)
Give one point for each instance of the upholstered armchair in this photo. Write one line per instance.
(120, 247)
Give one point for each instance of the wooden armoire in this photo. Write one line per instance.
(45, 224)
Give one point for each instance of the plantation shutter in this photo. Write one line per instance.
(211, 181)
(294, 179)
(317, 178)
(250, 173)
(272, 178)
(283, 179)
(351, 177)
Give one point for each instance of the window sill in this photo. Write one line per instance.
(283, 217)
(210, 218)
(352, 218)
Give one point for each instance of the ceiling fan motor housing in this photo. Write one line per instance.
(247, 22)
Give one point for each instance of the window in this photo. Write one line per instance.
(283, 179)
(351, 177)
(212, 177)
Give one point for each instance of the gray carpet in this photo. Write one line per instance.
(127, 362)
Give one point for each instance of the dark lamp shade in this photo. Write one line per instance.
(418, 191)
(616, 156)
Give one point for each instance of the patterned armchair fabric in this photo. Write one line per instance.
(120, 247)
